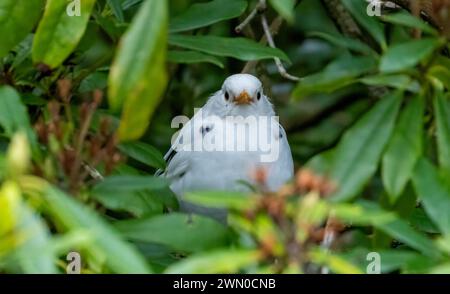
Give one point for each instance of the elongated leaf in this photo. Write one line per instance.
(144, 153)
(345, 42)
(338, 74)
(192, 57)
(406, 55)
(116, 7)
(406, 19)
(434, 191)
(358, 9)
(442, 115)
(107, 244)
(220, 261)
(359, 151)
(59, 32)
(204, 14)
(404, 149)
(240, 48)
(401, 82)
(221, 199)
(285, 8)
(335, 263)
(188, 233)
(130, 183)
(17, 18)
(138, 76)
(14, 116)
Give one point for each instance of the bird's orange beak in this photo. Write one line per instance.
(243, 98)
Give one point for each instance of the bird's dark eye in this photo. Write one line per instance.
(258, 96)
(227, 96)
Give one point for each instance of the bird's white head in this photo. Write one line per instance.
(242, 94)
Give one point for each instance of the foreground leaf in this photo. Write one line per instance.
(285, 8)
(58, 33)
(144, 153)
(106, 243)
(217, 262)
(359, 151)
(17, 18)
(138, 75)
(240, 48)
(204, 14)
(188, 233)
(192, 57)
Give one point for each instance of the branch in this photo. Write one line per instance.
(281, 69)
(259, 8)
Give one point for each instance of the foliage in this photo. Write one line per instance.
(368, 122)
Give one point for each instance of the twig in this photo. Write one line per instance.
(281, 69)
(259, 8)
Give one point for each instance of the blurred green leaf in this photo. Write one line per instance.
(339, 73)
(359, 151)
(116, 7)
(434, 192)
(187, 233)
(216, 262)
(17, 18)
(117, 254)
(232, 200)
(130, 183)
(406, 19)
(14, 116)
(138, 75)
(58, 33)
(204, 14)
(285, 8)
(239, 48)
(442, 115)
(145, 153)
(335, 263)
(406, 55)
(401, 82)
(345, 42)
(404, 149)
(179, 56)
(358, 9)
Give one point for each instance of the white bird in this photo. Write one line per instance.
(240, 116)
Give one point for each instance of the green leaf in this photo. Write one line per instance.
(145, 153)
(106, 244)
(188, 233)
(232, 200)
(401, 82)
(17, 19)
(204, 14)
(338, 74)
(401, 231)
(14, 116)
(358, 9)
(216, 262)
(192, 57)
(345, 42)
(239, 48)
(58, 33)
(285, 8)
(404, 149)
(335, 263)
(138, 75)
(434, 192)
(359, 151)
(442, 116)
(406, 55)
(116, 7)
(27, 231)
(130, 183)
(406, 19)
